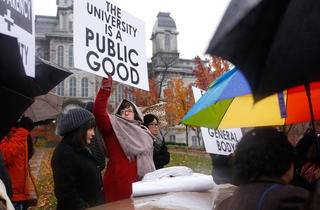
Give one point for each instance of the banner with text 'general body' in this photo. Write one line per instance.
(223, 141)
(108, 39)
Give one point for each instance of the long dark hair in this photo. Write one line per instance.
(79, 136)
(262, 152)
(148, 119)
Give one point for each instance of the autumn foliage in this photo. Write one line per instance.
(179, 100)
(145, 98)
(46, 132)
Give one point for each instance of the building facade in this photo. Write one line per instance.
(54, 42)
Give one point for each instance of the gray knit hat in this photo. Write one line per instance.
(73, 120)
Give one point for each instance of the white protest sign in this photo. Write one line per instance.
(17, 20)
(108, 39)
(223, 141)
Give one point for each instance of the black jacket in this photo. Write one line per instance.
(161, 156)
(77, 178)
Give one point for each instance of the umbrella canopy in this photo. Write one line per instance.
(15, 92)
(276, 44)
(229, 103)
(159, 110)
(44, 107)
(47, 76)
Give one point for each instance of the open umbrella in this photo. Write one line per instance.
(15, 92)
(276, 44)
(229, 103)
(159, 110)
(47, 76)
(44, 107)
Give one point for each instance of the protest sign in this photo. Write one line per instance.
(17, 20)
(223, 141)
(108, 39)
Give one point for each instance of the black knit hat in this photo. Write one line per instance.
(73, 120)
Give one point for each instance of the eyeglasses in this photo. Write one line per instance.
(122, 111)
(154, 124)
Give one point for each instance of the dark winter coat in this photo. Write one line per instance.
(161, 156)
(77, 178)
(285, 196)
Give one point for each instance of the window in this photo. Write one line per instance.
(120, 93)
(39, 52)
(60, 55)
(172, 138)
(60, 89)
(130, 97)
(167, 43)
(73, 87)
(84, 87)
(194, 141)
(70, 26)
(71, 56)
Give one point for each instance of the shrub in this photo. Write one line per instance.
(40, 143)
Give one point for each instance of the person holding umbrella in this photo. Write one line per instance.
(161, 156)
(128, 143)
(263, 166)
(77, 178)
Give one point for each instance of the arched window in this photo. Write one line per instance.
(84, 87)
(167, 43)
(73, 87)
(121, 94)
(130, 97)
(172, 138)
(70, 26)
(71, 56)
(60, 55)
(60, 89)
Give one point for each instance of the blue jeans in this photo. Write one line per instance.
(18, 205)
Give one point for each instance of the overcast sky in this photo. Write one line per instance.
(196, 21)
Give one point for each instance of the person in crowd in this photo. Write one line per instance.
(128, 143)
(14, 148)
(221, 168)
(263, 166)
(161, 156)
(76, 175)
(311, 171)
(95, 147)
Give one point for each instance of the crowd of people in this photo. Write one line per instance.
(269, 171)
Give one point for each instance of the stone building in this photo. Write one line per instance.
(54, 42)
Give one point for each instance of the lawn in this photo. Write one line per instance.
(44, 182)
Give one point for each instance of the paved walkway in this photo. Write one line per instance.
(35, 161)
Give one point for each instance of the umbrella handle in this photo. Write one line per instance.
(315, 135)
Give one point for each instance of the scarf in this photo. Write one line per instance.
(135, 139)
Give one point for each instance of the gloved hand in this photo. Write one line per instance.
(156, 148)
(26, 123)
(107, 83)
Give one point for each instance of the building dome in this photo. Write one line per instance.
(164, 22)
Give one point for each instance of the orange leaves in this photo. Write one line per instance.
(146, 98)
(179, 100)
(206, 75)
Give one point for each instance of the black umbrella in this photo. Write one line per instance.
(276, 44)
(47, 76)
(16, 95)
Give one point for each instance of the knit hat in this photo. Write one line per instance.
(73, 120)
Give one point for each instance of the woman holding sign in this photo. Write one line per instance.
(126, 142)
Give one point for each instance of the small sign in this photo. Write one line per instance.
(17, 20)
(223, 141)
(108, 39)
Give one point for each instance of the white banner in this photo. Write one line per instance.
(108, 39)
(223, 141)
(17, 20)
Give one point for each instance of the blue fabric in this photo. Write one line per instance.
(18, 205)
(282, 106)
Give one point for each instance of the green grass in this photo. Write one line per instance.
(45, 183)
